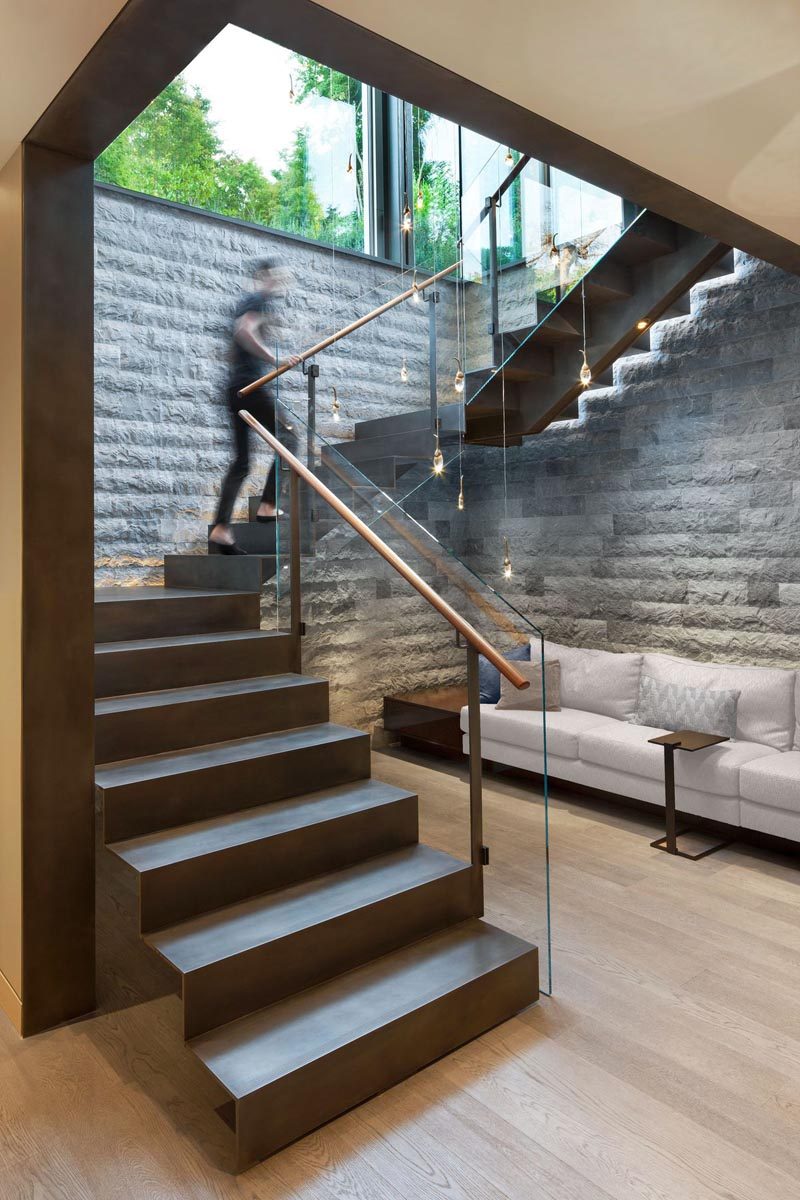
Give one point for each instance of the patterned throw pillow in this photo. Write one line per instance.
(530, 698)
(673, 706)
(489, 676)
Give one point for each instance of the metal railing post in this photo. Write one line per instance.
(296, 618)
(432, 299)
(478, 852)
(494, 281)
(311, 372)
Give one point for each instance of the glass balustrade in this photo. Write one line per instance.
(370, 632)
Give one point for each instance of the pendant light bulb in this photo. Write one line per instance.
(420, 200)
(507, 572)
(460, 501)
(404, 373)
(335, 406)
(407, 223)
(554, 250)
(415, 289)
(349, 167)
(291, 91)
(438, 459)
(458, 378)
(509, 157)
(585, 375)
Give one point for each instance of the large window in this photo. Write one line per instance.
(252, 130)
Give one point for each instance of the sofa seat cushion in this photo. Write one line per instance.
(625, 747)
(765, 709)
(597, 681)
(774, 781)
(523, 728)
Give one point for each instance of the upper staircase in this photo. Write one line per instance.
(322, 953)
(533, 373)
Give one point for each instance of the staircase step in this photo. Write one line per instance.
(160, 791)
(122, 613)
(195, 868)
(297, 1064)
(146, 664)
(153, 722)
(241, 572)
(249, 955)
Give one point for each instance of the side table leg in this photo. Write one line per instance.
(669, 798)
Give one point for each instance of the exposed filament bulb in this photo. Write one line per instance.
(349, 167)
(420, 200)
(507, 572)
(585, 374)
(404, 373)
(438, 459)
(407, 222)
(460, 501)
(509, 157)
(458, 378)
(335, 406)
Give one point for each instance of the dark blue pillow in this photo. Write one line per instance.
(489, 676)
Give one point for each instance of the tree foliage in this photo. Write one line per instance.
(172, 150)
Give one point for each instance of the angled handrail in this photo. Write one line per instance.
(474, 639)
(351, 328)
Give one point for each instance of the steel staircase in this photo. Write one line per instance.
(322, 952)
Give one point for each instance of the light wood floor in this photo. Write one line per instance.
(666, 1066)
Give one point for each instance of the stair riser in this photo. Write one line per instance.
(141, 731)
(125, 620)
(141, 808)
(242, 983)
(280, 1113)
(123, 672)
(186, 889)
(240, 573)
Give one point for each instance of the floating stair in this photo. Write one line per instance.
(323, 953)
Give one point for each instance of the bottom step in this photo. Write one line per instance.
(297, 1064)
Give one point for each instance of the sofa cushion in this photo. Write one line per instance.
(596, 681)
(489, 676)
(625, 747)
(765, 711)
(524, 729)
(677, 707)
(774, 781)
(530, 698)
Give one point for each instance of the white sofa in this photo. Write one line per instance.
(752, 781)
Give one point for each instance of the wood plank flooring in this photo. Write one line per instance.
(666, 1065)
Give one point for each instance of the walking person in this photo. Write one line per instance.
(251, 357)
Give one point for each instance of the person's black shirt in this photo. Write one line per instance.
(246, 366)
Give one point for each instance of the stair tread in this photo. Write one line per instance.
(183, 842)
(104, 594)
(195, 758)
(203, 691)
(196, 943)
(188, 639)
(262, 1047)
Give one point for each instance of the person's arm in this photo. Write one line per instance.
(246, 332)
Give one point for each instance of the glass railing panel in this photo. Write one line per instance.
(374, 636)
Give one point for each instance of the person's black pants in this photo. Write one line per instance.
(262, 406)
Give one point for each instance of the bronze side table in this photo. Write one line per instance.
(682, 739)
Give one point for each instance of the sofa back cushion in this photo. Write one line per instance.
(765, 710)
(597, 681)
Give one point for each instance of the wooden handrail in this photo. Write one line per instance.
(467, 631)
(351, 328)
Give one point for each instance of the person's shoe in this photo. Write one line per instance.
(226, 547)
(268, 520)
